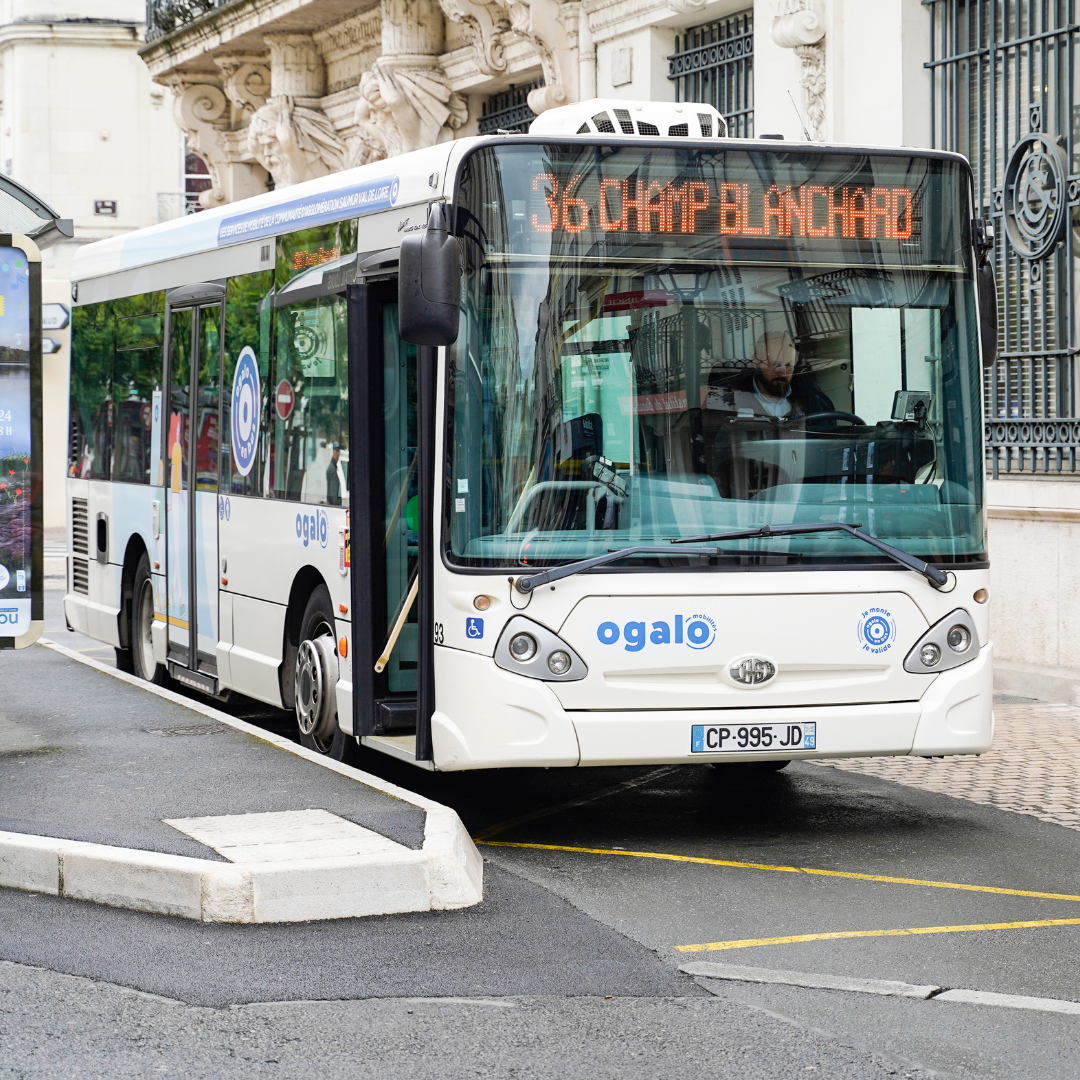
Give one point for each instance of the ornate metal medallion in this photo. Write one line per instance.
(1035, 201)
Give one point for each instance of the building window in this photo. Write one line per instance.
(509, 110)
(196, 180)
(714, 64)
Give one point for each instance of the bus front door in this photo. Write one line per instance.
(191, 497)
(384, 480)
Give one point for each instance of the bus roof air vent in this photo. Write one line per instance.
(643, 119)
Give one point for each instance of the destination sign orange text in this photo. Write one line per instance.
(732, 209)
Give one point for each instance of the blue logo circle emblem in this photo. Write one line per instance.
(246, 399)
(876, 630)
(395, 187)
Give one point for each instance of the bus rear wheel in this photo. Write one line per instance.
(315, 682)
(140, 633)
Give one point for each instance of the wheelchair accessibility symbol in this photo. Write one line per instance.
(474, 628)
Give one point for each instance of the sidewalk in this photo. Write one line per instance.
(141, 798)
(1032, 768)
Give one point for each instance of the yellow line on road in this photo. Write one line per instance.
(794, 870)
(750, 943)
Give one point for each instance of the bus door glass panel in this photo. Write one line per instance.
(401, 493)
(207, 394)
(177, 451)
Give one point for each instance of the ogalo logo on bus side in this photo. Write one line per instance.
(312, 528)
(246, 400)
(877, 630)
(692, 631)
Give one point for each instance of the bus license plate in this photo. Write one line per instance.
(738, 738)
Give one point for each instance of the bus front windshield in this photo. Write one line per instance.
(661, 343)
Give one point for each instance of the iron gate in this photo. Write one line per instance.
(1005, 94)
(714, 64)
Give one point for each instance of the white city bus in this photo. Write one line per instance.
(684, 463)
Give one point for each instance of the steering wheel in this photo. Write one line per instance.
(850, 418)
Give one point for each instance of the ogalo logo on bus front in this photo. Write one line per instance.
(693, 631)
(246, 399)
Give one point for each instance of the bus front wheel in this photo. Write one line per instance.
(142, 620)
(316, 680)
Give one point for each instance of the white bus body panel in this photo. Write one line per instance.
(263, 545)
(637, 706)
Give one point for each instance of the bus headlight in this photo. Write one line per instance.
(950, 642)
(527, 648)
(559, 662)
(929, 654)
(523, 647)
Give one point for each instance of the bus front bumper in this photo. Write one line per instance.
(489, 718)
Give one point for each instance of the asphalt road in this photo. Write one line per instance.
(570, 965)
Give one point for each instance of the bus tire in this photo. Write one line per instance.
(143, 663)
(315, 703)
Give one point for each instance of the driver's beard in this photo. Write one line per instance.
(777, 386)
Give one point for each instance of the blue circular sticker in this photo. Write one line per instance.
(877, 630)
(246, 398)
(395, 187)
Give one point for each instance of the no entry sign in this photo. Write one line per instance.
(284, 399)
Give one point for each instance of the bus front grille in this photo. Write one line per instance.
(80, 576)
(80, 534)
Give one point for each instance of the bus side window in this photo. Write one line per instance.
(90, 419)
(248, 300)
(137, 372)
(309, 416)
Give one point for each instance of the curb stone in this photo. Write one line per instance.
(446, 873)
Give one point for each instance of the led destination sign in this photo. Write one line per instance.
(588, 202)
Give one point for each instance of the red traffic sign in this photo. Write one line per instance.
(284, 399)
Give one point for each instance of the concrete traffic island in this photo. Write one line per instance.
(261, 829)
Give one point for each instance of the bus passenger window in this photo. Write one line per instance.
(309, 417)
(91, 392)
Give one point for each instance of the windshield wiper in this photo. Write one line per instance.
(938, 578)
(534, 581)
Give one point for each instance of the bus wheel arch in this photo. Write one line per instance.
(137, 616)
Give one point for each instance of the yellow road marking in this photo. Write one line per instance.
(750, 943)
(795, 870)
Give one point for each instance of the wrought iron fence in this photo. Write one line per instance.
(164, 16)
(508, 110)
(714, 64)
(1005, 94)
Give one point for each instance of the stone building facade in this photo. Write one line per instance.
(275, 91)
(279, 91)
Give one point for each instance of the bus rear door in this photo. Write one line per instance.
(195, 321)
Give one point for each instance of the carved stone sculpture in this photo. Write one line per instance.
(551, 29)
(202, 112)
(487, 23)
(245, 80)
(294, 143)
(800, 25)
(406, 101)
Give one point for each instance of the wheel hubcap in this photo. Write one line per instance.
(144, 642)
(316, 682)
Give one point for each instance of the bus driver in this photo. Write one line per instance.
(772, 387)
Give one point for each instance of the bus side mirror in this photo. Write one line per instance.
(429, 283)
(983, 236)
(988, 313)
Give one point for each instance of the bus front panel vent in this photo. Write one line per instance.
(80, 531)
(80, 576)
